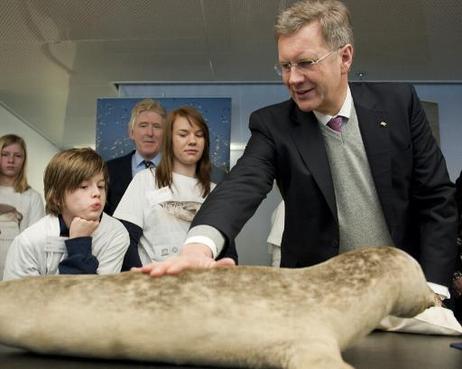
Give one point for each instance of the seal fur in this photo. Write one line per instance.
(242, 317)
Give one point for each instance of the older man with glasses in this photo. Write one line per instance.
(356, 164)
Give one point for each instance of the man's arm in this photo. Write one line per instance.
(229, 205)
(459, 198)
(433, 200)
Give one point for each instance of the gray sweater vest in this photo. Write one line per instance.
(360, 215)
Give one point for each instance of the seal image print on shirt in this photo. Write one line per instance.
(244, 316)
(9, 213)
(10, 223)
(183, 210)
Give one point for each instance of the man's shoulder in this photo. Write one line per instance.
(279, 108)
(121, 159)
(382, 95)
(390, 88)
(459, 183)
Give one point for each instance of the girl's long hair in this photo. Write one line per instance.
(203, 166)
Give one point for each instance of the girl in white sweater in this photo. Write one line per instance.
(20, 205)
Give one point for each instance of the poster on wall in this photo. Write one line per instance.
(113, 115)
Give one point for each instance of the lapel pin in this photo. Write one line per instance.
(383, 124)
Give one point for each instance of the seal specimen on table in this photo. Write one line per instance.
(240, 316)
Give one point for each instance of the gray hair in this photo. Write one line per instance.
(333, 16)
(146, 105)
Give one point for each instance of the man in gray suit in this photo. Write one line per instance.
(356, 164)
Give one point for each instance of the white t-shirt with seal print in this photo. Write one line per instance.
(163, 214)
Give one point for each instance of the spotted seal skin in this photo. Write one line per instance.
(241, 317)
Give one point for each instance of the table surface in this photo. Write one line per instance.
(379, 350)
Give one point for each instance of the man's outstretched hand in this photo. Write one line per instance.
(192, 256)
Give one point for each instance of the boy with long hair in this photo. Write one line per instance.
(75, 237)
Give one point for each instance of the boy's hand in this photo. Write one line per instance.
(82, 228)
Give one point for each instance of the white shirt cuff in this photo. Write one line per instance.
(204, 240)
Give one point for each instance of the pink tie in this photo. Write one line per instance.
(336, 123)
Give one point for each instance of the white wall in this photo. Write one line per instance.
(39, 150)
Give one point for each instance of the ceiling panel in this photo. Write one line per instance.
(58, 56)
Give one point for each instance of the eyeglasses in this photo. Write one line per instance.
(302, 66)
